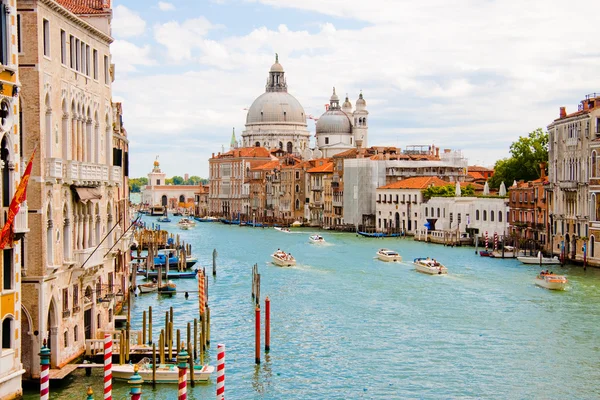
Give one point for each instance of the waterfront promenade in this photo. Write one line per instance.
(346, 326)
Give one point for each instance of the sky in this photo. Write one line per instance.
(470, 75)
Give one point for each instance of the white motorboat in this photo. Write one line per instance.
(283, 229)
(165, 373)
(296, 224)
(184, 226)
(551, 281)
(316, 239)
(148, 287)
(539, 260)
(283, 259)
(388, 255)
(429, 266)
(186, 220)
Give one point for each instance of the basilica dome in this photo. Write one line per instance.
(276, 108)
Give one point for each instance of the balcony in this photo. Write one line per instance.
(20, 222)
(338, 203)
(86, 173)
(316, 204)
(567, 185)
(316, 188)
(96, 259)
(54, 169)
(116, 175)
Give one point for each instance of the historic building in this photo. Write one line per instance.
(229, 180)
(158, 193)
(574, 180)
(318, 187)
(339, 129)
(74, 278)
(12, 164)
(201, 200)
(276, 119)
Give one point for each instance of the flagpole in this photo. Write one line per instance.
(127, 230)
(99, 244)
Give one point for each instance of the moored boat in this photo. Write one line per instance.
(539, 260)
(378, 234)
(165, 373)
(388, 255)
(164, 219)
(282, 229)
(283, 259)
(168, 288)
(206, 219)
(148, 287)
(429, 266)
(172, 274)
(296, 224)
(316, 239)
(551, 281)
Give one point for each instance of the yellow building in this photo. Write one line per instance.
(11, 154)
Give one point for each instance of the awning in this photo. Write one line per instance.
(86, 194)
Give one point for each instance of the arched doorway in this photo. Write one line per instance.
(592, 242)
(26, 342)
(163, 200)
(182, 199)
(52, 333)
(290, 147)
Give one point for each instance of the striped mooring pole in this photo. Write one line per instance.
(45, 372)
(136, 384)
(220, 372)
(108, 367)
(182, 360)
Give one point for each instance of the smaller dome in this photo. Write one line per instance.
(276, 67)
(361, 101)
(156, 164)
(347, 104)
(334, 122)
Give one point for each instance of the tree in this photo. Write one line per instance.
(447, 191)
(193, 180)
(135, 184)
(524, 163)
(176, 180)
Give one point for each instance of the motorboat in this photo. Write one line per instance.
(186, 220)
(551, 281)
(316, 239)
(168, 288)
(283, 259)
(539, 260)
(388, 255)
(485, 253)
(282, 229)
(165, 373)
(296, 224)
(164, 219)
(429, 266)
(148, 287)
(161, 259)
(184, 226)
(206, 219)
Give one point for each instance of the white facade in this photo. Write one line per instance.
(398, 210)
(158, 193)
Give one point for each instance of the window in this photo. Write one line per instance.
(158, 181)
(7, 328)
(4, 35)
(110, 314)
(7, 269)
(66, 338)
(65, 299)
(19, 41)
(95, 66)
(63, 46)
(106, 77)
(438, 212)
(297, 174)
(76, 333)
(492, 216)
(72, 49)
(46, 38)
(75, 296)
(87, 60)
(426, 212)
(83, 60)
(326, 140)
(77, 55)
(476, 215)
(485, 215)
(297, 188)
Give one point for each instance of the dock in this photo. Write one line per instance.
(58, 374)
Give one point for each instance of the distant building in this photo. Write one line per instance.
(158, 193)
(201, 200)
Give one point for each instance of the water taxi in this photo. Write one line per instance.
(551, 281)
(539, 260)
(282, 229)
(388, 255)
(283, 259)
(316, 239)
(429, 266)
(165, 373)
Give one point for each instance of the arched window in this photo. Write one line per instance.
(49, 241)
(257, 144)
(163, 200)
(499, 216)
(592, 245)
(65, 131)
(76, 333)
(281, 145)
(485, 215)
(297, 188)
(297, 204)
(492, 216)
(438, 212)
(97, 228)
(48, 126)
(7, 333)
(426, 212)
(66, 236)
(109, 219)
(66, 339)
(290, 147)
(182, 199)
(476, 215)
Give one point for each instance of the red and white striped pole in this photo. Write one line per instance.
(45, 372)
(486, 240)
(182, 360)
(495, 241)
(220, 372)
(108, 367)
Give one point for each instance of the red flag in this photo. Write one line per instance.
(19, 197)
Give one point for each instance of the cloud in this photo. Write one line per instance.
(127, 23)
(471, 75)
(164, 6)
(127, 55)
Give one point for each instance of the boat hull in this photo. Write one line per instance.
(386, 258)
(164, 374)
(428, 267)
(148, 287)
(552, 282)
(172, 274)
(536, 260)
(283, 263)
(378, 234)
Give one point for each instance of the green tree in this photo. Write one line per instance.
(447, 191)
(176, 180)
(193, 180)
(135, 184)
(524, 163)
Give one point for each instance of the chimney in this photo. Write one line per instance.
(437, 152)
(563, 112)
(585, 105)
(542, 170)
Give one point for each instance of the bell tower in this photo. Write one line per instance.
(361, 127)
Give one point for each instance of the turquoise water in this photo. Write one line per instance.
(347, 326)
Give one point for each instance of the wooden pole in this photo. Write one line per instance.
(122, 347)
(207, 326)
(195, 338)
(144, 327)
(149, 325)
(191, 361)
(257, 336)
(177, 343)
(189, 337)
(170, 341)
(161, 346)
(214, 254)
(166, 331)
(267, 324)
(153, 364)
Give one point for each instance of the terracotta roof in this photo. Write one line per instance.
(476, 175)
(246, 152)
(477, 168)
(86, 6)
(421, 182)
(326, 167)
(269, 165)
(474, 185)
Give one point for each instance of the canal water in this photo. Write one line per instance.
(347, 326)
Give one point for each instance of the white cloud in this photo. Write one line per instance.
(469, 75)
(127, 23)
(164, 6)
(127, 55)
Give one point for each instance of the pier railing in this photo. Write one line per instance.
(96, 346)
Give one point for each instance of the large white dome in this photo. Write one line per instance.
(276, 108)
